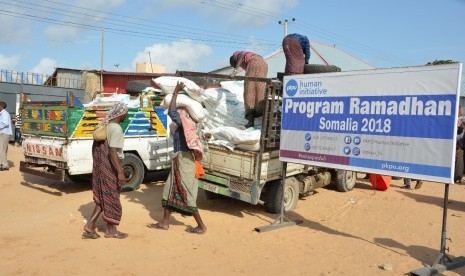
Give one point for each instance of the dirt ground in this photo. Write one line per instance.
(353, 233)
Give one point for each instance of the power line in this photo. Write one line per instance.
(132, 26)
(123, 31)
(145, 22)
(341, 40)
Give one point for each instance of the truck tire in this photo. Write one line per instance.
(345, 180)
(134, 87)
(134, 170)
(274, 195)
(320, 68)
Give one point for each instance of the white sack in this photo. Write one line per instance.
(249, 147)
(167, 84)
(235, 135)
(194, 108)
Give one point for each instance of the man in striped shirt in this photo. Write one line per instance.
(296, 49)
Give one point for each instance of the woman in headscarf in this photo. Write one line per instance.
(181, 187)
(108, 175)
(254, 91)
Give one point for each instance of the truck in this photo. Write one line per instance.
(256, 176)
(57, 138)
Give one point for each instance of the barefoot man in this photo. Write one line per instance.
(181, 187)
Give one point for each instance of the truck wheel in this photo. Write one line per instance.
(274, 195)
(134, 171)
(345, 180)
(320, 68)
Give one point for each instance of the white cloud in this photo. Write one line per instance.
(179, 55)
(12, 28)
(241, 13)
(86, 17)
(9, 63)
(45, 66)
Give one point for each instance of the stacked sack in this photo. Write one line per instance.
(220, 111)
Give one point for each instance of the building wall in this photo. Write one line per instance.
(117, 83)
(150, 68)
(91, 84)
(69, 78)
(8, 93)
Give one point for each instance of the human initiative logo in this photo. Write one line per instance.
(292, 87)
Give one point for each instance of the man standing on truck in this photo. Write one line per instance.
(5, 132)
(181, 187)
(296, 49)
(108, 175)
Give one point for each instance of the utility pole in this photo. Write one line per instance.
(150, 58)
(101, 61)
(285, 22)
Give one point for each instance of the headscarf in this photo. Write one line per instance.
(116, 110)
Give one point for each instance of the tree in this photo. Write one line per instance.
(437, 62)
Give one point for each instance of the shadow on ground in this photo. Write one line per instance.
(439, 201)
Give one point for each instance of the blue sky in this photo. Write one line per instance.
(200, 35)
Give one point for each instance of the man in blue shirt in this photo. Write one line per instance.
(296, 48)
(5, 132)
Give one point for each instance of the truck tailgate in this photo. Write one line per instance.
(45, 147)
(235, 163)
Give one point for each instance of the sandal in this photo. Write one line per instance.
(195, 230)
(156, 226)
(90, 235)
(117, 235)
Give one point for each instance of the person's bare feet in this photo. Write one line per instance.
(89, 233)
(419, 184)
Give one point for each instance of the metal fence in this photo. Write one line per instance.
(11, 76)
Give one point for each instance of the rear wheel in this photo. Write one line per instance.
(134, 171)
(274, 195)
(345, 180)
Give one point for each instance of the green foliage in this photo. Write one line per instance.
(437, 62)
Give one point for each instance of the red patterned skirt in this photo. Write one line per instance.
(105, 188)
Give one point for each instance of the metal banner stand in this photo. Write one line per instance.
(443, 262)
(282, 220)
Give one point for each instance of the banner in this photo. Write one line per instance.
(397, 121)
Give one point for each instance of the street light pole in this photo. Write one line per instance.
(285, 22)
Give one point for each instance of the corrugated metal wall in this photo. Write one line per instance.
(114, 82)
